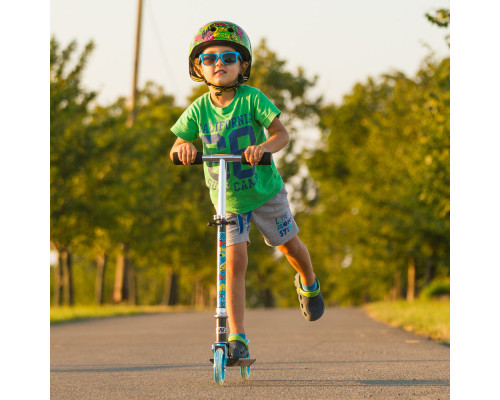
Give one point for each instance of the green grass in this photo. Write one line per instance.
(65, 314)
(429, 318)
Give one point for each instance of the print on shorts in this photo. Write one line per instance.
(284, 224)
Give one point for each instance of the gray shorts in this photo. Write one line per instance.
(273, 219)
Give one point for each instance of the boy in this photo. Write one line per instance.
(230, 119)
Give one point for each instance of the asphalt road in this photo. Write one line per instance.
(344, 355)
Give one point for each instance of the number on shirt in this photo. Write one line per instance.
(234, 138)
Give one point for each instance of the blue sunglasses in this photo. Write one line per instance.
(228, 58)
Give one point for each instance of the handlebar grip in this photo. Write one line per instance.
(265, 160)
(198, 160)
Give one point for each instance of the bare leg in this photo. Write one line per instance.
(236, 263)
(297, 254)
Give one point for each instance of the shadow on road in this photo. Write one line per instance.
(121, 368)
(340, 383)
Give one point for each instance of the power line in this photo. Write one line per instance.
(162, 50)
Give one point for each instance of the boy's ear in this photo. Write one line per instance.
(197, 67)
(243, 66)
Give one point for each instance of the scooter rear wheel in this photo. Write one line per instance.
(219, 366)
(245, 372)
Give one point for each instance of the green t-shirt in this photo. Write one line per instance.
(230, 130)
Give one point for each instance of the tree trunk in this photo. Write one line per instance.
(131, 279)
(396, 289)
(430, 269)
(170, 291)
(199, 292)
(66, 279)
(268, 298)
(59, 281)
(102, 261)
(71, 286)
(121, 289)
(167, 288)
(212, 299)
(410, 291)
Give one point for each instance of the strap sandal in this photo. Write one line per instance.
(238, 346)
(311, 303)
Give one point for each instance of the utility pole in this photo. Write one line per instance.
(123, 272)
(133, 110)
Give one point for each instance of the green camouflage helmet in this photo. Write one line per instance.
(220, 33)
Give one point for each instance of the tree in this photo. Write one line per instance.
(70, 146)
(112, 185)
(153, 208)
(441, 18)
(383, 182)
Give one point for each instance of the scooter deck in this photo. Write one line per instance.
(238, 362)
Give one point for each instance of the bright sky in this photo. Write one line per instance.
(343, 42)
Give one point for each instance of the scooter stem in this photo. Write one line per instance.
(220, 218)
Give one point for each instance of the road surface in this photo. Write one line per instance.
(344, 355)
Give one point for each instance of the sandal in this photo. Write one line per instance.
(238, 347)
(311, 303)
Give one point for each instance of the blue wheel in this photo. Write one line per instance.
(245, 372)
(219, 366)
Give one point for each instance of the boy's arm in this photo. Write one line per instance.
(187, 151)
(278, 138)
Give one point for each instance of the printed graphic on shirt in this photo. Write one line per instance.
(240, 120)
(236, 142)
(230, 131)
(236, 186)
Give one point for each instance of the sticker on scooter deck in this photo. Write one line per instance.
(238, 362)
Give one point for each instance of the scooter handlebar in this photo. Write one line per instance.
(177, 161)
(265, 160)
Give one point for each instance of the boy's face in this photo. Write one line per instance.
(221, 74)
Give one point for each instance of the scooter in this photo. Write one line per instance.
(222, 355)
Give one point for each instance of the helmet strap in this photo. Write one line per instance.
(230, 88)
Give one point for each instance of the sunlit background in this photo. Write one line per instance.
(111, 24)
(342, 42)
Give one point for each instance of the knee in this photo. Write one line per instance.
(292, 247)
(237, 260)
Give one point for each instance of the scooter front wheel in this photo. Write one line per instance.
(219, 366)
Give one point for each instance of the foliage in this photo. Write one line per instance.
(383, 184)
(127, 191)
(441, 18)
(437, 288)
(376, 195)
(70, 143)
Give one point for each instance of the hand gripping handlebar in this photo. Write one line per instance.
(200, 158)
